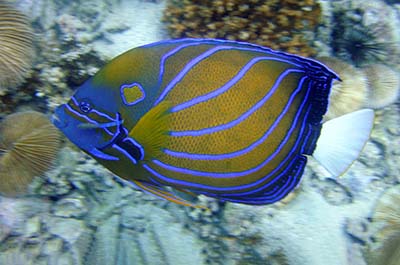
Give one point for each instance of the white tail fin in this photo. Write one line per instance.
(342, 140)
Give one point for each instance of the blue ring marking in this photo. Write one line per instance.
(195, 61)
(244, 150)
(233, 81)
(233, 188)
(129, 86)
(125, 153)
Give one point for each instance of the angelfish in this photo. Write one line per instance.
(230, 120)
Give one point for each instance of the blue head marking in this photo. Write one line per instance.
(85, 132)
(92, 121)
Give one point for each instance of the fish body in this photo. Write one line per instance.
(229, 120)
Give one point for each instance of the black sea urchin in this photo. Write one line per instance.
(359, 45)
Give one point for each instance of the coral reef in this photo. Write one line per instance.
(16, 46)
(383, 85)
(283, 25)
(344, 97)
(387, 212)
(28, 146)
(374, 86)
(79, 213)
(94, 221)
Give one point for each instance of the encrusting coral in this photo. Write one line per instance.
(16, 46)
(383, 85)
(281, 25)
(28, 145)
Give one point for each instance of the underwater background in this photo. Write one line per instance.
(59, 206)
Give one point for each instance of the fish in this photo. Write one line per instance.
(230, 120)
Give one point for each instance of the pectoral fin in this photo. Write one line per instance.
(152, 129)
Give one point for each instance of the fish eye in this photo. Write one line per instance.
(85, 106)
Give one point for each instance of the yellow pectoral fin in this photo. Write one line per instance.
(159, 192)
(151, 130)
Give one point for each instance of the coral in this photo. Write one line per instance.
(387, 212)
(348, 95)
(383, 85)
(282, 25)
(28, 145)
(16, 46)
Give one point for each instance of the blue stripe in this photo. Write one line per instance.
(306, 62)
(197, 60)
(125, 153)
(234, 80)
(267, 199)
(250, 147)
(240, 118)
(207, 187)
(97, 153)
(87, 118)
(94, 111)
(137, 145)
(171, 53)
(242, 173)
(276, 194)
(299, 159)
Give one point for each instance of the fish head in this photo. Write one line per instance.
(90, 120)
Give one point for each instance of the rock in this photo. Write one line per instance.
(71, 207)
(166, 241)
(133, 219)
(52, 246)
(105, 245)
(32, 227)
(14, 213)
(70, 230)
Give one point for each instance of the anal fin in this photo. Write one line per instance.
(164, 194)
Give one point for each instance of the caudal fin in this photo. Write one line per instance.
(342, 140)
